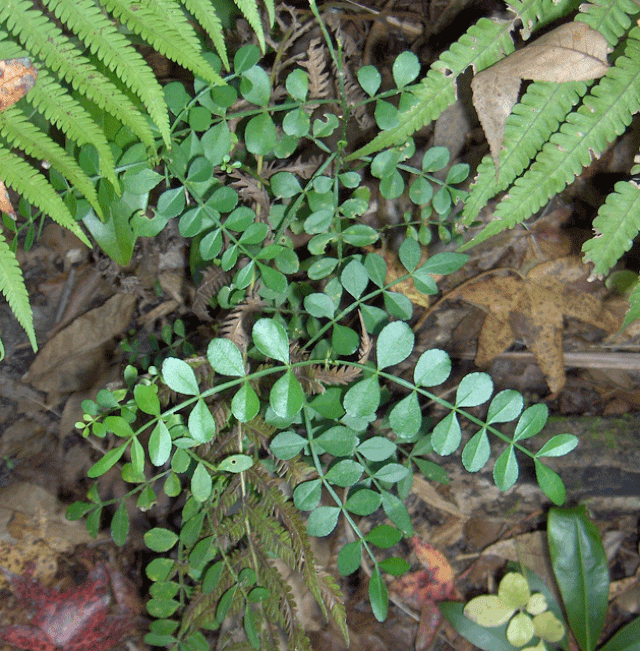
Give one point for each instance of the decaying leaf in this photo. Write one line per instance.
(571, 52)
(17, 78)
(533, 308)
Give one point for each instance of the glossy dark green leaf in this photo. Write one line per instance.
(626, 639)
(580, 566)
(488, 639)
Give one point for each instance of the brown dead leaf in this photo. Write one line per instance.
(533, 309)
(17, 78)
(571, 52)
(70, 360)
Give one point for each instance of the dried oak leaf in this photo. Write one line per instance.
(17, 78)
(571, 52)
(533, 309)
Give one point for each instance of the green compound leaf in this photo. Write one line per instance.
(433, 368)
(287, 445)
(179, 376)
(349, 558)
(225, 358)
(160, 539)
(395, 344)
(323, 521)
(505, 471)
(474, 389)
(378, 595)
(271, 339)
(286, 396)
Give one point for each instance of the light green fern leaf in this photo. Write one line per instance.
(164, 37)
(611, 19)
(634, 307)
(42, 38)
(34, 187)
(56, 104)
(480, 47)
(205, 14)
(87, 21)
(14, 290)
(604, 114)
(249, 9)
(537, 13)
(616, 226)
(16, 129)
(542, 109)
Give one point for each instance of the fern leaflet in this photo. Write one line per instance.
(604, 114)
(617, 224)
(86, 20)
(611, 19)
(13, 287)
(42, 38)
(249, 9)
(209, 20)
(24, 179)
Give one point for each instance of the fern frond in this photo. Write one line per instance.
(611, 19)
(19, 132)
(537, 13)
(35, 188)
(43, 39)
(605, 113)
(14, 290)
(249, 9)
(158, 26)
(616, 225)
(482, 45)
(87, 21)
(204, 12)
(542, 109)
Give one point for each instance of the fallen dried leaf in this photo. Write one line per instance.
(571, 52)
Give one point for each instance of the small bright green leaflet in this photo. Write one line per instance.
(245, 404)
(236, 463)
(488, 639)
(179, 376)
(287, 445)
(160, 540)
(319, 305)
(476, 452)
(322, 521)
(250, 627)
(474, 389)
(432, 368)
(286, 397)
(108, 461)
(550, 483)
(531, 422)
(378, 595)
(384, 536)
(344, 473)
(363, 501)
(349, 558)
(306, 496)
(363, 398)
(202, 425)
(394, 344)
(225, 358)
(435, 159)
(271, 339)
(201, 483)
(446, 435)
(355, 278)
(505, 406)
(558, 446)
(370, 79)
(405, 417)
(120, 525)
(338, 441)
(391, 472)
(505, 470)
(377, 448)
(260, 135)
(405, 68)
(297, 84)
(146, 397)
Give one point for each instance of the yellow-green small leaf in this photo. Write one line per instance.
(514, 590)
(487, 610)
(520, 630)
(537, 604)
(548, 627)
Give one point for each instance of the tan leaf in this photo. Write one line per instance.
(571, 52)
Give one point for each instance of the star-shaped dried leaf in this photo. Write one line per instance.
(533, 309)
(17, 78)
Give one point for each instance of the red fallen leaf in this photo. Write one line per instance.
(77, 619)
(17, 78)
(423, 589)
